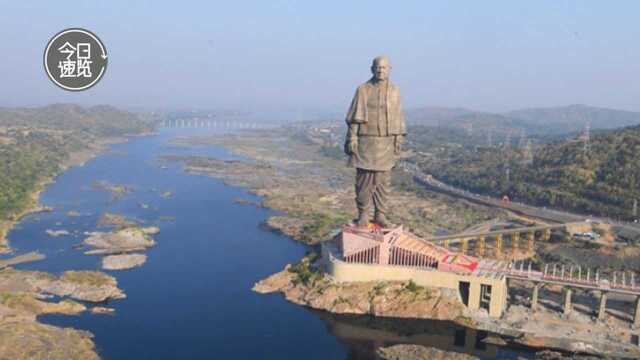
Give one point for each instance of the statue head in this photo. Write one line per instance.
(381, 68)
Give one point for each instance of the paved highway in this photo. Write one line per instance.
(544, 214)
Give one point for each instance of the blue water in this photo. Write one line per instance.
(192, 299)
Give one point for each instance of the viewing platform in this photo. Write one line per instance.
(378, 254)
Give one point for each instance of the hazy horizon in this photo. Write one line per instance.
(487, 56)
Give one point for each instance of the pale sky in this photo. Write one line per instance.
(484, 55)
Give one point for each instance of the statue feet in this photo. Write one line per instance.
(363, 220)
(381, 220)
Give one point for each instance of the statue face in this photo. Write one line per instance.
(380, 70)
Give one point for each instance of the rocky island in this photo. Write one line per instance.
(26, 294)
(36, 145)
(118, 246)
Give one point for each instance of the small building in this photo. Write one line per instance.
(377, 254)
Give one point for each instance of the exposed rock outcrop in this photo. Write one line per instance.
(123, 262)
(57, 233)
(304, 285)
(22, 338)
(417, 352)
(92, 286)
(102, 310)
(118, 243)
(130, 237)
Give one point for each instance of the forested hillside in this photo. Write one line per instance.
(36, 142)
(535, 121)
(603, 179)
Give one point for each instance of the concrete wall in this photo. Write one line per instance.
(350, 272)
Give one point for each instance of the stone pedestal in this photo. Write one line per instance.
(480, 246)
(530, 241)
(567, 301)
(636, 314)
(602, 309)
(534, 296)
(514, 242)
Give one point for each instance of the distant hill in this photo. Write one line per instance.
(536, 121)
(604, 180)
(101, 120)
(573, 118)
(37, 143)
(434, 116)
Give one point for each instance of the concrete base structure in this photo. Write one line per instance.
(477, 289)
(602, 310)
(535, 295)
(636, 314)
(567, 302)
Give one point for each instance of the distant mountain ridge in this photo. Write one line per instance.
(542, 121)
(100, 120)
(602, 178)
(575, 117)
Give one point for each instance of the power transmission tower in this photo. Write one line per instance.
(528, 153)
(523, 139)
(587, 138)
(507, 141)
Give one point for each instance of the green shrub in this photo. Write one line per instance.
(413, 287)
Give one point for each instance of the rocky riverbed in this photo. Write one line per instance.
(305, 284)
(121, 247)
(123, 262)
(32, 204)
(26, 294)
(417, 352)
(314, 191)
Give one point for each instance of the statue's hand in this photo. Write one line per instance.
(398, 140)
(351, 146)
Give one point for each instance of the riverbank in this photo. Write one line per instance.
(315, 192)
(24, 295)
(33, 205)
(304, 283)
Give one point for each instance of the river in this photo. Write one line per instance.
(193, 298)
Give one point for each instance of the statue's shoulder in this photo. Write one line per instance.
(365, 86)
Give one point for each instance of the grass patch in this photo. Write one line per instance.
(412, 287)
(464, 320)
(93, 278)
(377, 290)
(321, 225)
(19, 301)
(341, 300)
(305, 273)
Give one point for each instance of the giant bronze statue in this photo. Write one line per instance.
(374, 138)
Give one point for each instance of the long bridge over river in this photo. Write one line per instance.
(207, 123)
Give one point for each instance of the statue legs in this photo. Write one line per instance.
(372, 185)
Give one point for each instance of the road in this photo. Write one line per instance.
(543, 214)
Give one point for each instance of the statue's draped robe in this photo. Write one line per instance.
(376, 119)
